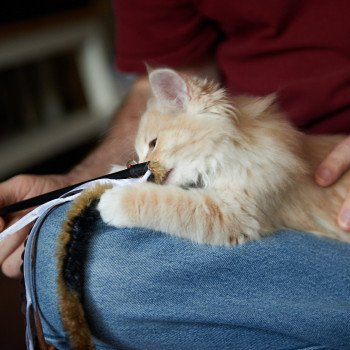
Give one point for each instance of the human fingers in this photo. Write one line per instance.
(334, 165)
(11, 267)
(25, 186)
(11, 243)
(344, 214)
(14, 189)
(11, 191)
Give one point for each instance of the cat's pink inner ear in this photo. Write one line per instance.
(169, 88)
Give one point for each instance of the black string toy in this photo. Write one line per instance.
(132, 171)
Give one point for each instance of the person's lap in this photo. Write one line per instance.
(149, 290)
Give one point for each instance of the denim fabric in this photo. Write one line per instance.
(148, 290)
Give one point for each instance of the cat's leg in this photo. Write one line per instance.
(194, 214)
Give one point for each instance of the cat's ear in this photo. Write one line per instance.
(169, 89)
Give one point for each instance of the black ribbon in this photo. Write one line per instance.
(134, 171)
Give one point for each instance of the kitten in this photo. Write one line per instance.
(236, 168)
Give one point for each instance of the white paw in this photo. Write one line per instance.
(110, 207)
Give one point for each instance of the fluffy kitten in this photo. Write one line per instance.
(237, 169)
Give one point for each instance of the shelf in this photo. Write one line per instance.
(83, 35)
(30, 147)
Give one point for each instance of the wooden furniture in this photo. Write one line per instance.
(81, 35)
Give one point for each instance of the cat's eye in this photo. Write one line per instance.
(153, 143)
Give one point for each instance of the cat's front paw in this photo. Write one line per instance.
(111, 208)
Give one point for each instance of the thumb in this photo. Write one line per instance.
(14, 189)
(7, 196)
(334, 165)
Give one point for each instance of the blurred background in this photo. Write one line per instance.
(58, 91)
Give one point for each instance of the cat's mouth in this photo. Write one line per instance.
(159, 174)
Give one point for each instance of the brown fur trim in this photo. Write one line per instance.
(39, 331)
(158, 171)
(70, 304)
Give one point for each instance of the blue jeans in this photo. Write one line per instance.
(148, 290)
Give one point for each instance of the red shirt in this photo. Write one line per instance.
(297, 48)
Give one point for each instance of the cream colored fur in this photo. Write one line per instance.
(237, 168)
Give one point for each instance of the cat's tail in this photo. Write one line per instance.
(71, 255)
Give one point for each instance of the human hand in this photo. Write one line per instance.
(13, 190)
(330, 170)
